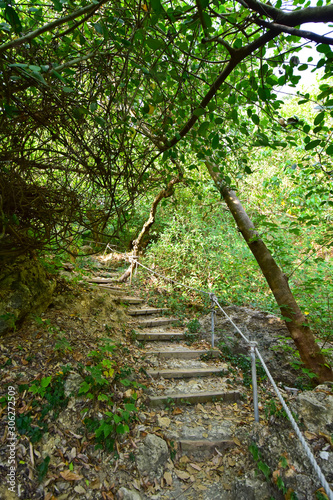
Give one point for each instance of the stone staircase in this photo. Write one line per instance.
(180, 376)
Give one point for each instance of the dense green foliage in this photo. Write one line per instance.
(103, 104)
(96, 99)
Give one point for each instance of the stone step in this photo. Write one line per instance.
(131, 300)
(160, 336)
(146, 311)
(187, 372)
(102, 281)
(183, 354)
(197, 397)
(203, 448)
(151, 323)
(114, 290)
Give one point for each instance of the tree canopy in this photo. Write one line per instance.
(101, 102)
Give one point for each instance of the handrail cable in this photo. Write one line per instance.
(306, 447)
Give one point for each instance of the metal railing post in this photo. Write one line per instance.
(252, 346)
(131, 269)
(212, 297)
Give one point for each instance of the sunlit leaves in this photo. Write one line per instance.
(312, 144)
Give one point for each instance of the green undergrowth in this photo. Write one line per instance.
(109, 393)
(117, 406)
(202, 249)
(273, 477)
(49, 400)
(242, 362)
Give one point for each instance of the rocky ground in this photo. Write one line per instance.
(204, 450)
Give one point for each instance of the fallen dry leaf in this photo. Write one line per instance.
(177, 411)
(195, 466)
(68, 475)
(49, 496)
(182, 474)
(237, 441)
(275, 475)
(136, 484)
(168, 478)
(310, 435)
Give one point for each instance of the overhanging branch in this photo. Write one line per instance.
(50, 26)
(296, 32)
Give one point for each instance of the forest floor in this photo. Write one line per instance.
(45, 361)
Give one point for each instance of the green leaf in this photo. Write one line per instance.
(199, 112)
(57, 5)
(34, 68)
(18, 65)
(329, 150)
(130, 407)
(84, 387)
(323, 48)
(319, 118)
(312, 144)
(253, 448)
(38, 77)
(203, 128)
(122, 429)
(255, 119)
(215, 141)
(154, 43)
(103, 397)
(45, 381)
(264, 469)
(13, 19)
(98, 28)
(125, 382)
(67, 90)
(156, 6)
(58, 75)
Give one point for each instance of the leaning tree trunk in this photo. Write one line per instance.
(137, 244)
(296, 322)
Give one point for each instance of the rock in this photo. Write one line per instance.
(125, 494)
(152, 455)
(266, 329)
(252, 488)
(72, 384)
(163, 421)
(50, 444)
(316, 410)
(24, 289)
(298, 474)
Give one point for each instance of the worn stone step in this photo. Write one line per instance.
(151, 323)
(197, 397)
(131, 300)
(146, 311)
(103, 281)
(114, 290)
(160, 336)
(187, 372)
(203, 448)
(183, 354)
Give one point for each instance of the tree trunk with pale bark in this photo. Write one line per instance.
(296, 322)
(137, 243)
